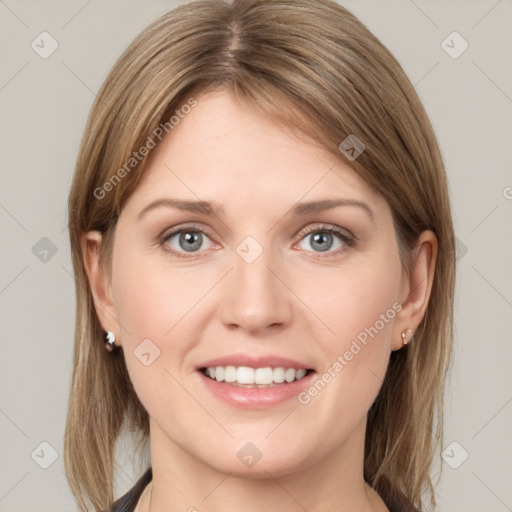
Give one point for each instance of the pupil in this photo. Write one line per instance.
(192, 240)
(319, 237)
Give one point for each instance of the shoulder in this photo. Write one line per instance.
(128, 501)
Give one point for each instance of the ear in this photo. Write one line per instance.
(416, 287)
(99, 282)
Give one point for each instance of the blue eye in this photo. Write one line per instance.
(189, 240)
(323, 238)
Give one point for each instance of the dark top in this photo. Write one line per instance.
(128, 502)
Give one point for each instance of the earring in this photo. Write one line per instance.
(110, 341)
(406, 336)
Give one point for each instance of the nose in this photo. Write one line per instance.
(256, 299)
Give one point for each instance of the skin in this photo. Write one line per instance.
(293, 301)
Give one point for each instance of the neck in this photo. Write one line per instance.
(334, 483)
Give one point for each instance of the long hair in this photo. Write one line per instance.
(313, 67)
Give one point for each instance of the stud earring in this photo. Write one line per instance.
(406, 336)
(110, 341)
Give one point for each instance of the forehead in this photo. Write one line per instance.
(229, 153)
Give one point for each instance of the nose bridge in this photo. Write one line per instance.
(255, 298)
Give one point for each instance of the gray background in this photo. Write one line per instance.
(43, 108)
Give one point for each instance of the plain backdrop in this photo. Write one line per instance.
(44, 103)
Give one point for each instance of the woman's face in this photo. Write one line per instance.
(262, 282)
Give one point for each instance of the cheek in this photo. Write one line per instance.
(360, 309)
(138, 303)
(365, 305)
(153, 303)
(149, 299)
(358, 299)
(150, 311)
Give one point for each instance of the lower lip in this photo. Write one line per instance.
(256, 398)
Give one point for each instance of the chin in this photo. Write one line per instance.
(246, 459)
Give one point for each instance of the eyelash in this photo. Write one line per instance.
(347, 239)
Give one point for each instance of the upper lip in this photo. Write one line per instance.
(263, 361)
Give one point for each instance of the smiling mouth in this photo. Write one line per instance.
(246, 377)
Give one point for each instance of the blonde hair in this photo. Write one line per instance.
(314, 67)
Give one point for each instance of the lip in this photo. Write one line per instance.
(255, 398)
(262, 361)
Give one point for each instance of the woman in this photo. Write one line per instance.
(264, 254)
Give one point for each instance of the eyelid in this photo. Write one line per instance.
(324, 226)
(192, 227)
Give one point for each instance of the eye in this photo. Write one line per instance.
(189, 239)
(323, 238)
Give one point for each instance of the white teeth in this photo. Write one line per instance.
(300, 373)
(264, 376)
(230, 374)
(245, 375)
(219, 373)
(254, 376)
(289, 375)
(279, 375)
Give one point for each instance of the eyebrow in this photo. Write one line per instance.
(329, 204)
(202, 207)
(216, 209)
